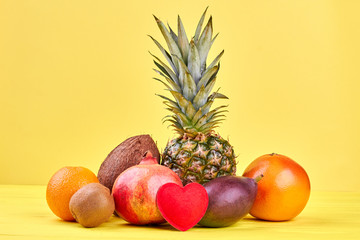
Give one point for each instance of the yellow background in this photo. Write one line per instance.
(76, 80)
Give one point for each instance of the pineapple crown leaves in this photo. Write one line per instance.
(188, 78)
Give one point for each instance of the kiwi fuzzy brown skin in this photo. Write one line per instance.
(92, 205)
(127, 154)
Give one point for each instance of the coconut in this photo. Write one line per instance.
(125, 155)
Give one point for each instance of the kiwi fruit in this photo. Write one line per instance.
(92, 205)
(125, 155)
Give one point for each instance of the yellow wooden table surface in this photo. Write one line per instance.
(24, 214)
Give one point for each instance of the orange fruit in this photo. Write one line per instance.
(62, 185)
(283, 191)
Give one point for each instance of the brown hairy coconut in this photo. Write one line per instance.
(127, 154)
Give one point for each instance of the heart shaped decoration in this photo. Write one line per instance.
(182, 207)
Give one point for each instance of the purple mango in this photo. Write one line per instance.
(230, 199)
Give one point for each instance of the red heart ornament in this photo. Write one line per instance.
(182, 207)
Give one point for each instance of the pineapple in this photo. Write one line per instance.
(198, 154)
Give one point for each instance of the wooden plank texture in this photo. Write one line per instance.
(24, 214)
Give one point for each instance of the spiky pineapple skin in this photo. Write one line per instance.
(200, 159)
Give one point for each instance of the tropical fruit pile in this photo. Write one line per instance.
(194, 180)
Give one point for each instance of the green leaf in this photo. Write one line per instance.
(194, 62)
(206, 77)
(169, 80)
(173, 103)
(160, 72)
(201, 121)
(217, 95)
(166, 85)
(162, 69)
(165, 53)
(199, 26)
(207, 105)
(165, 69)
(180, 132)
(200, 98)
(210, 125)
(173, 34)
(182, 102)
(190, 130)
(170, 105)
(183, 41)
(174, 120)
(182, 70)
(215, 114)
(214, 75)
(173, 84)
(188, 84)
(197, 116)
(207, 117)
(204, 43)
(209, 87)
(163, 97)
(190, 110)
(213, 40)
(189, 89)
(172, 44)
(184, 121)
(214, 62)
(169, 120)
(168, 116)
(216, 110)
